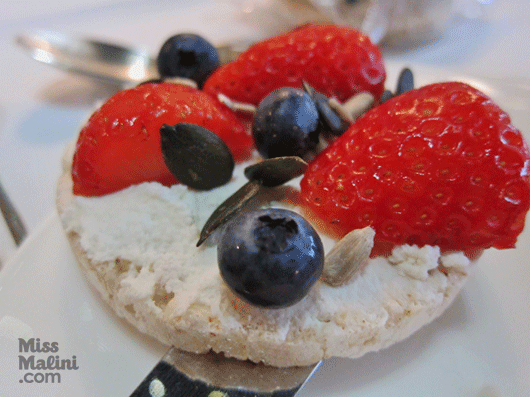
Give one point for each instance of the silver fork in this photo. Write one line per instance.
(12, 218)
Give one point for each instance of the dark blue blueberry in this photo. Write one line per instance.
(286, 123)
(187, 55)
(270, 257)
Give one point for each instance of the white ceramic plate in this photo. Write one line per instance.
(478, 348)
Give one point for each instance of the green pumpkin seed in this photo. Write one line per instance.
(196, 156)
(229, 208)
(276, 171)
(266, 174)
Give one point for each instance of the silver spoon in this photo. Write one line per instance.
(106, 62)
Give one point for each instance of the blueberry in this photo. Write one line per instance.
(187, 55)
(286, 123)
(270, 257)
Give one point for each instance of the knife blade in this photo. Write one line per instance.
(181, 374)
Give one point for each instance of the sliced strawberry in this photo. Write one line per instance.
(120, 144)
(337, 61)
(440, 165)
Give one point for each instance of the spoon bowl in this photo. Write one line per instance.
(106, 62)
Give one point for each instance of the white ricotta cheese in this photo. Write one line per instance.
(157, 227)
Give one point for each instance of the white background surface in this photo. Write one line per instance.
(41, 109)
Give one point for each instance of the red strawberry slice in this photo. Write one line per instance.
(440, 165)
(120, 144)
(337, 61)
